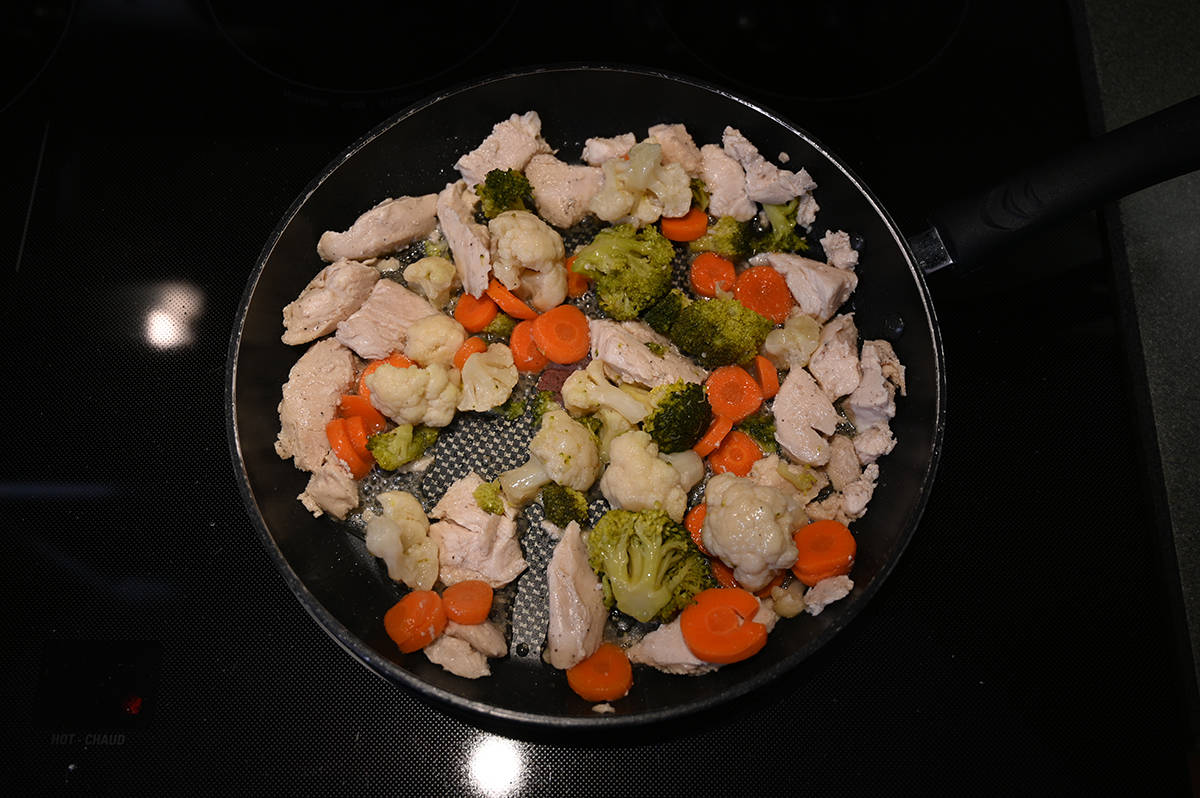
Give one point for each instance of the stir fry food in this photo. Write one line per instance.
(646, 359)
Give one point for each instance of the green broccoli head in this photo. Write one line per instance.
(541, 403)
(436, 246)
(513, 407)
(699, 193)
(780, 234)
(729, 238)
(761, 427)
(401, 445)
(631, 268)
(662, 314)
(648, 565)
(489, 498)
(564, 505)
(499, 329)
(680, 415)
(504, 190)
(720, 332)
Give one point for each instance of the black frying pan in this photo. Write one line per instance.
(344, 587)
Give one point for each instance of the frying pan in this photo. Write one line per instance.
(344, 588)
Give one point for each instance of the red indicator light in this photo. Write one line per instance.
(132, 705)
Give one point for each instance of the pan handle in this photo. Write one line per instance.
(1120, 162)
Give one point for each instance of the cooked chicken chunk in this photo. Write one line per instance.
(486, 637)
(665, 649)
(622, 347)
(726, 183)
(577, 612)
(819, 289)
(825, 592)
(330, 489)
(391, 224)
(873, 402)
(597, 150)
(561, 190)
(889, 363)
(843, 467)
(510, 145)
(873, 442)
(380, 326)
(310, 399)
(469, 241)
(677, 147)
(838, 251)
(337, 291)
(803, 414)
(457, 656)
(835, 362)
(473, 543)
(857, 494)
(765, 182)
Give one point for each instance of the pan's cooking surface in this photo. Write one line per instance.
(1020, 644)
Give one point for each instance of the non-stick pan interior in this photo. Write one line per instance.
(345, 589)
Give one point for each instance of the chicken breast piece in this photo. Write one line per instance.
(486, 637)
(310, 399)
(818, 288)
(835, 361)
(458, 657)
(597, 150)
(469, 241)
(337, 291)
(857, 494)
(803, 415)
(726, 183)
(843, 467)
(391, 224)
(838, 251)
(510, 145)
(561, 190)
(872, 403)
(380, 326)
(678, 147)
(873, 442)
(825, 592)
(330, 489)
(889, 363)
(664, 649)
(473, 543)
(577, 612)
(622, 347)
(765, 182)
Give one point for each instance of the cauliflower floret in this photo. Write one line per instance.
(544, 290)
(415, 395)
(588, 390)
(488, 378)
(567, 450)
(638, 479)
(790, 346)
(433, 277)
(748, 526)
(689, 465)
(520, 242)
(641, 188)
(400, 537)
(434, 339)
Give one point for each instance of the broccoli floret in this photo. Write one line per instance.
(729, 238)
(719, 332)
(541, 403)
(564, 505)
(761, 427)
(699, 193)
(780, 234)
(631, 268)
(680, 416)
(436, 246)
(489, 498)
(504, 190)
(593, 424)
(662, 314)
(648, 565)
(499, 329)
(401, 445)
(513, 408)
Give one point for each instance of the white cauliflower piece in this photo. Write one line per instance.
(748, 526)
(790, 346)
(433, 277)
(415, 395)
(400, 537)
(544, 290)
(689, 465)
(521, 242)
(641, 188)
(488, 378)
(434, 339)
(638, 479)
(588, 390)
(567, 450)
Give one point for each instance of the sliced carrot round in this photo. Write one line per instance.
(723, 573)
(472, 346)
(356, 432)
(577, 284)
(688, 227)
(468, 602)
(357, 405)
(733, 393)
(712, 437)
(343, 449)
(416, 620)
(694, 523)
(562, 334)
(526, 355)
(720, 627)
(824, 549)
(766, 375)
(604, 676)
(711, 273)
(509, 302)
(763, 290)
(475, 314)
(736, 454)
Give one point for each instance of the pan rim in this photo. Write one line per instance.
(390, 671)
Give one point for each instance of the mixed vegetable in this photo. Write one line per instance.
(706, 424)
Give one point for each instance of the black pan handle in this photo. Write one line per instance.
(1120, 162)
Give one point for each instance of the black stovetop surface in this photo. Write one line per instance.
(1020, 646)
